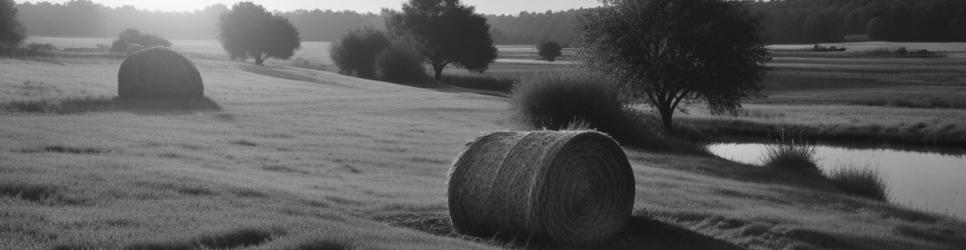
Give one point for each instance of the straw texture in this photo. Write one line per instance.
(571, 187)
(158, 73)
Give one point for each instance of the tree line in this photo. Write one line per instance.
(813, 21)
(784, 21)
(84, 18)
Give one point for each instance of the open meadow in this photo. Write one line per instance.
(292, 155)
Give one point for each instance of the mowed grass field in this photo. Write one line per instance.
(296, 158)
(844, 97)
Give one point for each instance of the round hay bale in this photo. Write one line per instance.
(572, 187)
(158, 73)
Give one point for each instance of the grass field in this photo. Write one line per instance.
(295, 158)
(912, 101)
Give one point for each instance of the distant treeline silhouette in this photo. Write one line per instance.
(83, 18)
(536, 27)
(784, 21)
(812, 21)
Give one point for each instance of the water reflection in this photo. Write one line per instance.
(922, 180)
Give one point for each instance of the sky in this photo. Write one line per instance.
(374, 6)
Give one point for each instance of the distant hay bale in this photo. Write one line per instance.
(571, 187)
(159, 73)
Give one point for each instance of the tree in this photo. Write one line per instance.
(448, 32)
(877, 29)
(249, 31)
(669, 51)
(12, 32)
(356, 53)
(549, 50)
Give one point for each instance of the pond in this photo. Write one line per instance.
(923, 180)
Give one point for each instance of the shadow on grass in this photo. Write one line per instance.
(481, 82)
(229, 239)
(640, 233)
(274, 72)
(106, 104)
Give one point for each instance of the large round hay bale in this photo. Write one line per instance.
(571, 187)
(158, 73)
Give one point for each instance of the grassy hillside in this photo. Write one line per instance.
(292, 158)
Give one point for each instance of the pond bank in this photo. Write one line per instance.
(928, 181)
(912, 136)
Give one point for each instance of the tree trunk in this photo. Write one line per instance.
(666, 114)
(439, 71)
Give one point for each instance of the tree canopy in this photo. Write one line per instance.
(249, 31)
(12, 32)
(356, 53)
(668, 51)
(448, 33)
(549, 50)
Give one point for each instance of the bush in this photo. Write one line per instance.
(792, 152)
(819, 48)
(400, 64)
(559, 101)
(357, 52)
(864, 182)
(555, 100)
(132, 40)
(549, 50)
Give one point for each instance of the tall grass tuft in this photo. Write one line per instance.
(864, 182)
(792, 152)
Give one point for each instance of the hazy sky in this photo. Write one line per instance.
(482, 6)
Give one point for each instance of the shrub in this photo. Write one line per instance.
(792, 152)
(400, 64)
(864, 182)
(132, 40)
(559, 101)
(357, 52)
(549, 50)
(555, 100)
(819, 48)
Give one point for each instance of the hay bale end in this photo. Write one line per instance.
(571, 187)
(158, 73)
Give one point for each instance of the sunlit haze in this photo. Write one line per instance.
(374, 6)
